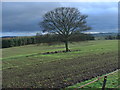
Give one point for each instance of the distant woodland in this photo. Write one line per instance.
(38, 39)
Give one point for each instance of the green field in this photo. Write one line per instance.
(26, 66)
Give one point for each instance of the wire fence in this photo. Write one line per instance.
(104, 82)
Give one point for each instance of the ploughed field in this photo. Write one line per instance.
(28, 67)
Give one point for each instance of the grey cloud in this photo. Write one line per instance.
(102, 16)
(25, 16)
(94, 7)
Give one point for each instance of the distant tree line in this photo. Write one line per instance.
(108, 37)
(17, 41)
(47, 38)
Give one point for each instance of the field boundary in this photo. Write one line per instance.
(97, 79)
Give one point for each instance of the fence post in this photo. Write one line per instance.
(104, 82)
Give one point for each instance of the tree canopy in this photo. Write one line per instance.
(64, 21)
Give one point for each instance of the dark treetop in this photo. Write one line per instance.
(64, 21)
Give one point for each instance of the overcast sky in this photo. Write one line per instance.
(22, 18)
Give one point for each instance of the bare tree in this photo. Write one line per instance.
(64, 21)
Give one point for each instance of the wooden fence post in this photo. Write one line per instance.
(104, 82)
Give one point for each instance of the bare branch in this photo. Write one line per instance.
(64, 21)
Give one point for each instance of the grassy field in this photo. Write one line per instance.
(26, 66)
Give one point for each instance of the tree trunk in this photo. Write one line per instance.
(66, 46)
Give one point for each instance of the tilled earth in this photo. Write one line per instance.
(60, 73)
